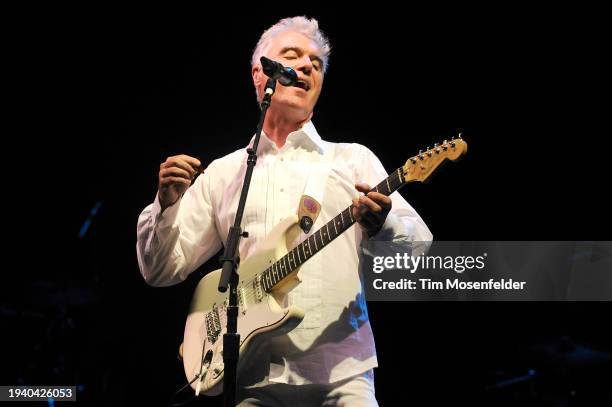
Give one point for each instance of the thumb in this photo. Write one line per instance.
(362, 187)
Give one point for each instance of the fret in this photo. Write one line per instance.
(340, 223)
(388, 186)
(332, 236)
(342, 219)
(335, 228)
(399, 175)
(309, 252)
(349, 214)
(321, 244)
(275, 271)
(325, 235)
(267, 275)
(310, 244)
(393, 183)
(303, 252)
(295, 249)
(299, 259)
(287, 265)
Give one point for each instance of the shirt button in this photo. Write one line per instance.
(282, 159)
(282, 189)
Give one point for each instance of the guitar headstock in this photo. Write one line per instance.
(421, 166)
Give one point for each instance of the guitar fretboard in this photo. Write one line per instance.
(322, 237)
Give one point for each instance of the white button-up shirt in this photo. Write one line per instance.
(335, 340)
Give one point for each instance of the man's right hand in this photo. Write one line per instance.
(175, 176)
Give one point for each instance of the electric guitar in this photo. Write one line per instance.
(266, 277)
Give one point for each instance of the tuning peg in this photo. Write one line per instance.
(421, 154)
(459, 135)
(436, 145)
(413, 160)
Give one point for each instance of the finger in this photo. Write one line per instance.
(168, 181)
(383, 200)
(194, 162)
(355, 209)
(370, 204)
(374, 219)
(368, 223)
(175, 172)
(362, 187)
(177, 162)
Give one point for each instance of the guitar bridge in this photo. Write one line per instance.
(213, 324)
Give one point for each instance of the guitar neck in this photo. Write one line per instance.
(322, 237)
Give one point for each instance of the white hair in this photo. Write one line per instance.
(303, 25)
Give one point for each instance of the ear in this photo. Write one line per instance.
(257, 74)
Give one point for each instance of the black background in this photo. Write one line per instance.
(103, 96)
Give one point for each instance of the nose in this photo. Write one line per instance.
(305, 65)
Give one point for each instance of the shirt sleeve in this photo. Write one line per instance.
(173, 243)
(404, 230)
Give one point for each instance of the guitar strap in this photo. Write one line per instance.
(307, 295)
(310, 202)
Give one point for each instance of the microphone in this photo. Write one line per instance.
(274, 70)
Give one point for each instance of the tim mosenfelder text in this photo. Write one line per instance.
(458, 264)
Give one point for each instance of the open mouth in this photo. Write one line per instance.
(302, 85)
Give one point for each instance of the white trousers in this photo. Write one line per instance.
(356, 391)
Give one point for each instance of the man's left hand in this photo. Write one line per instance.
(370, 210)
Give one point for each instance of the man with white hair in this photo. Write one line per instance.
(329, 358)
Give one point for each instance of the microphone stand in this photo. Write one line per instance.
(231, 260)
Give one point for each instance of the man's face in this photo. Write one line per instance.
(302, 54)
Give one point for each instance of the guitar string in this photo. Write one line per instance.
(394, 176)
(250, 293)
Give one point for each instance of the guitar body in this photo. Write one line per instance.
(260, 315)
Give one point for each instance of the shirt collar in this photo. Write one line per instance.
(306, 137)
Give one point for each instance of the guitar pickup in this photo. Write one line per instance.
(257, 288)
(241, 300)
